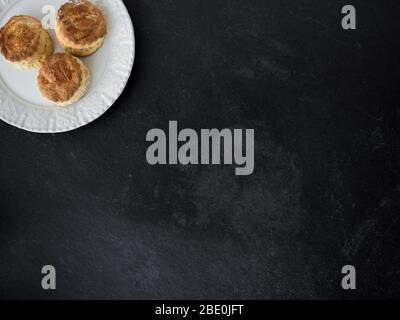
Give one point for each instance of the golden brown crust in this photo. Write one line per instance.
(81, 22)
(20, 37)
(60, 77)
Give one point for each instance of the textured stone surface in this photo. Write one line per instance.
(325, 192)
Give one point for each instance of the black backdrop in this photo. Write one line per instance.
(325, 106)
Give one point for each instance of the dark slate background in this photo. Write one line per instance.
(325, 106)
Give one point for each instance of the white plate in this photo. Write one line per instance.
(21, 103)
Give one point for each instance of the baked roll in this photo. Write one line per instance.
(81, 28)
(25, 43)
(63, 79)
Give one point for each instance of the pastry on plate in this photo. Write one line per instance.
(63, 79)
(81, 28)
(24, 42)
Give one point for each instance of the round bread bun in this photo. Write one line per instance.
(25, 43)
(81, 28)
(63, 79)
